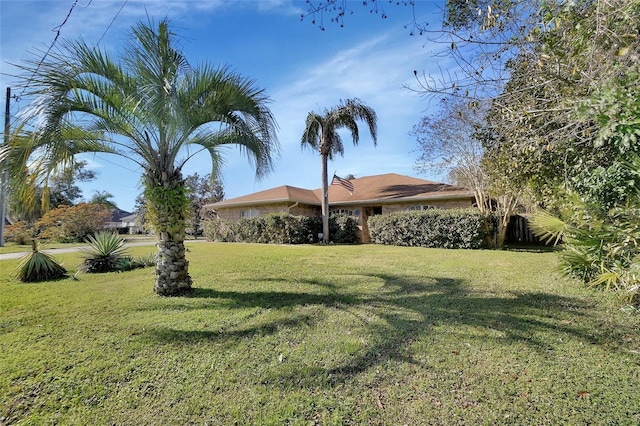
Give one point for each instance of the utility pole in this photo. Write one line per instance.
(4, 181)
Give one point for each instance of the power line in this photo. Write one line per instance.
(58, 28)
(112, 21)
(116, 164)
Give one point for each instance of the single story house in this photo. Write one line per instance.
(129, 222)
(123, 219)
(371, 195)
(116, 218)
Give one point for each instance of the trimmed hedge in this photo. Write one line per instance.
(281, 228)
(438, 228)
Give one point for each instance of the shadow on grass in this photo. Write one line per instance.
(405, 309)
(168, 335)
(271, 299)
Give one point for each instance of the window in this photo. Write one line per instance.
(341, 211)
(248, 214)
(414, 208)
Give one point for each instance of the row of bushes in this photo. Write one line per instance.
(450, 228)
(282, 228)
(455, 228)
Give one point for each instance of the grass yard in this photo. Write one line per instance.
(335, 335)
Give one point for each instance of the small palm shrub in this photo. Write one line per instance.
(128, 263)
(147, 260)
(104, 253)
(39, 266)
(600, 243)
(597, 247)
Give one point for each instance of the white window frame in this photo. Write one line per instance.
(419, 208)
(341, 211)
(249, 213)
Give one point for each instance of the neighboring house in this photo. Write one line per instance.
(123, 219)
(372, 195)
(116, 218)
(129, 222)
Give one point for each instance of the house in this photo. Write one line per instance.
(121, 219)
(372, 195)
(129, 222)
(116, 218)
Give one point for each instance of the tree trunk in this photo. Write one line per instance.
(172, 267)
(506, 205)
(167, 208)
(325, 200)
(502, 233)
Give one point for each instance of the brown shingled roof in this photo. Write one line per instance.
(386, 188)
(279, 194)
(392, 187)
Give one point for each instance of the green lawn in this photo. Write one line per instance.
(367, 334)
(11, 247)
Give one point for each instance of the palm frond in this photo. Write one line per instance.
(311, 133)
(39, 266)
(104, 252)
(547, 227)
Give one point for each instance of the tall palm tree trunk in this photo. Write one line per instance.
(168, 208)
(172, 267)
(325, 200)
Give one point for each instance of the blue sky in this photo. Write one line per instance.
(301, 68)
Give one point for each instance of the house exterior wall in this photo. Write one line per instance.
(306, 210)
(235, 213)
(440, 204)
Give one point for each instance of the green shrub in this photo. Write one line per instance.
(600, 247)
(72, 223)
(39, 266)
(343, 229)
(104, 254)
(147, 260)
(442, 228)
(220, 230)
(19, 233)
(252, 230)
(281, 228)
(128, 263)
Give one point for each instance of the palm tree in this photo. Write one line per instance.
(104, 198)
(321, 133)
(152, 107)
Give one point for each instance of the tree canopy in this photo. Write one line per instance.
(149, 105)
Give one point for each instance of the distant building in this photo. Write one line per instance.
(123, 219)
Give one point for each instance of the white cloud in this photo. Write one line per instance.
(310, 78)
